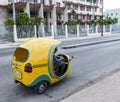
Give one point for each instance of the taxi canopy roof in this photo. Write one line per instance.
(39, 43)
(39, 48)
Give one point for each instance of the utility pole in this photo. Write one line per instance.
(13, 7)
(93, 8)
(34, 9)
(35, 19)
(102, 17)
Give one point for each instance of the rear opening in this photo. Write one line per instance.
(21, 54)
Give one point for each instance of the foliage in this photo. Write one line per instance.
(9, 22)
(22, 19)
(106, 21)
(70, 22)
(38, 20)
(32, 21)
(73, 11)
(79, 21)
(94, 22)
(115, 20)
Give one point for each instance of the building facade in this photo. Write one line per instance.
(114, 13)
(55, 12)
(58, 11)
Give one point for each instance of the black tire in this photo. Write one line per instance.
(41, 87)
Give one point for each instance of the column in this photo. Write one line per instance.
(46, 2)
(41, 14)
(48, 20)
(27, 9)
(96, 29)
(78, 31)
(53, 15)
(103, 29)
(35, 32)
(65, 15)
(110, 29)
(15, 33)
(88, 29)
(52, 31)
(66, 31)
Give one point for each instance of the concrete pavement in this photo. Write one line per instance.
(106, 90)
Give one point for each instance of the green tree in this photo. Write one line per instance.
(70, 22)
(9, 27)
(94, 22)
(22, 19)
(9, 22)
(115, 20)
(36, 21)
(109, 20)
(106, 21)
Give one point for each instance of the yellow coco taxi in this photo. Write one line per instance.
(33, 64)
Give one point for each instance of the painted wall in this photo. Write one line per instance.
(3, 2)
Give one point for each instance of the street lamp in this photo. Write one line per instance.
(35, 19)
(13, 7)
(34, 9)
(102, 17)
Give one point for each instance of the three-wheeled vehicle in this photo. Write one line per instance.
(33, 64)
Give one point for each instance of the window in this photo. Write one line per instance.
(116, 14)
(69, 17)
(88, 8)
(68, 5)
(83, 17)
(111, 14)
(88, 0)
(82, 0)
(57, 4)
(82, 8)
(95, 9)
(75, 7)
(107, 14)
(58, 16)
(10, 12)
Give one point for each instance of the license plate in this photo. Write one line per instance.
(17, 74)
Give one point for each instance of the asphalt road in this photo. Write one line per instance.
(90, 63)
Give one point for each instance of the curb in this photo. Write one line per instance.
(87, 44)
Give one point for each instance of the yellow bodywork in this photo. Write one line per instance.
(38, 52)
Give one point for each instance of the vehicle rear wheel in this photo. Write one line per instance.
(41, 87)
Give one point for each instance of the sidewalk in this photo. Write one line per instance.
(9, 45)
(76, 42)
(107, 90)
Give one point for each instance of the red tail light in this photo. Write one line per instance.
(28, 67)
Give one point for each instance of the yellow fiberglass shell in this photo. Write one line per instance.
(40, 55)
